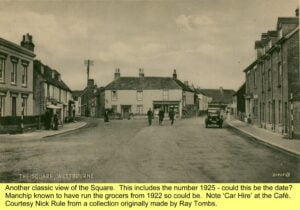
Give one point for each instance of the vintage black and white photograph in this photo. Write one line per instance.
(149, 91)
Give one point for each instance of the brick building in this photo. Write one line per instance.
(273, 79)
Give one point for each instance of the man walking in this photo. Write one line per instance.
(161, 115)
(150, 116)
(172, 115)
(106, 117)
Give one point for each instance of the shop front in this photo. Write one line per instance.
(166, 106)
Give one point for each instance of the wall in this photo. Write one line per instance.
(129, 97)
(6, 88)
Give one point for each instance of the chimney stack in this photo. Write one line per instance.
(141, 72)
(174, 74)
(117, 74)
(90, 82)
(221, 89)
(27, 42)
(297, 12)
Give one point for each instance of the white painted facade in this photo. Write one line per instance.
(140, 105)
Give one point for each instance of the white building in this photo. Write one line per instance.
(136, 95)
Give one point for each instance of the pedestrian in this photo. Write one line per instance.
(55, 121)
(73, 115)
(172, 115)
(106, 118)
(150, 116)
(161, 115)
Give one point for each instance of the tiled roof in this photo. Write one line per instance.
(47, 75)
(288, 20)
(219, 96)
(146, 83)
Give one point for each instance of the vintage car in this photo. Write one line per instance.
(214, 117)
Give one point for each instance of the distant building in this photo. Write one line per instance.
(51, 93)
(221, 98)
(272, 80)
(16, 75)
(134, 96)
(97, 102)
(204, 100)
(239, 103)
(85, 98)
(77, 101)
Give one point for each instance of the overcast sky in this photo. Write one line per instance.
(209, 42)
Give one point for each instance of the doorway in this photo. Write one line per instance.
(126, 110)
(14, 106)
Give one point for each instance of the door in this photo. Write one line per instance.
(125, 112)
(13, 106)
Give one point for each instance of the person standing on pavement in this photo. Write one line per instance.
(150, 116)
(161, 115)
(55, 121)
(106, 119)
(172, 115)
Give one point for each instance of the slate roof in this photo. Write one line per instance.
(288, 20)
(48, 75)
(146, 83)
(76, 93)
(241, 88)
(218, 96)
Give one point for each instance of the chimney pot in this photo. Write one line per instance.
(174, 74)
(117, 74)
(90, 82)
(27, 42)
(297, 12)
(141, 72)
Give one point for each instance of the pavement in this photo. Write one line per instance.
(267, 137)
(38, 134)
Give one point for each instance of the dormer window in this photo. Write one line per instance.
(42, 69)
(114, 95)
(269, 44)
(280, 34)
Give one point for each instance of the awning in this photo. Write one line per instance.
(51, 106)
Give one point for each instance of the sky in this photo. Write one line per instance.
(208, 42)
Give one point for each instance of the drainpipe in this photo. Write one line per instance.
(292, 118)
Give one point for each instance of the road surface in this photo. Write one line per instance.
(132, 151)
